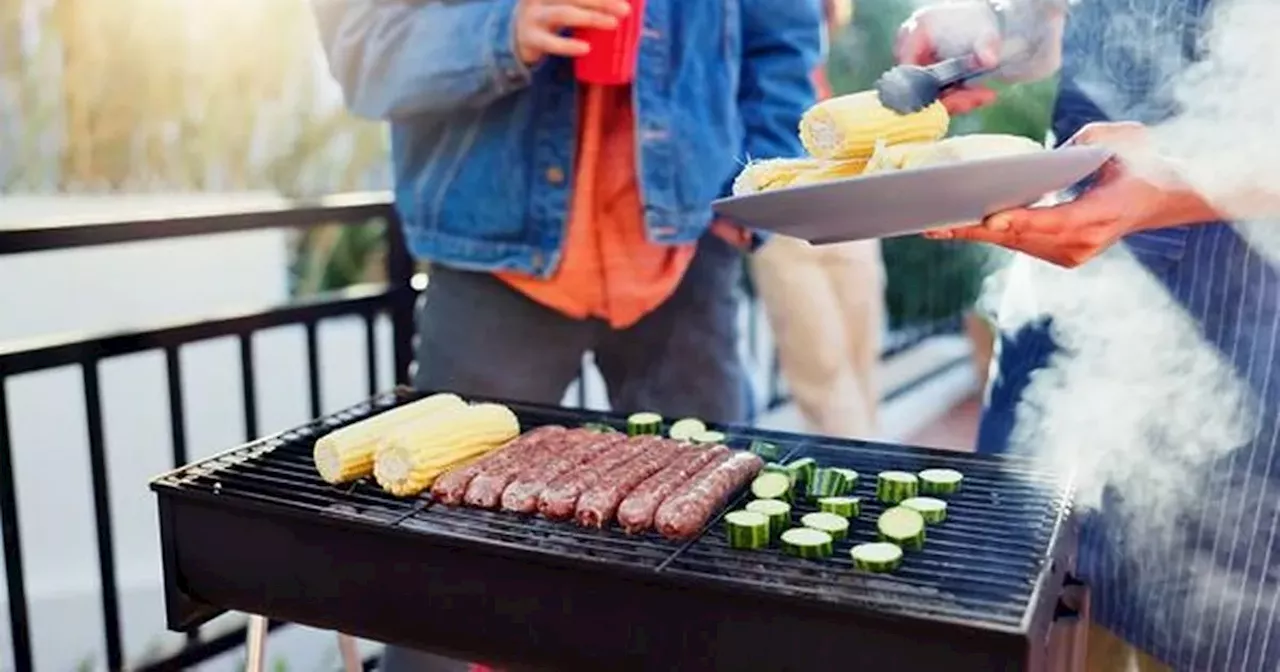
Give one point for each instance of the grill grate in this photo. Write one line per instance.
(983, 565)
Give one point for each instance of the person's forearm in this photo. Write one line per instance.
(395, 59)
(1031, 33)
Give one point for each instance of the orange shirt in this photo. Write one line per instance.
(608, 268)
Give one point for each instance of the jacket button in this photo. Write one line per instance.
(555, 175)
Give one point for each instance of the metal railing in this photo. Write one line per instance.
(393, 300)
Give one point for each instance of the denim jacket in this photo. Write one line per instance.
(483, 147)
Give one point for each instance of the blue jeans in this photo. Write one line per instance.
(477, 336)
(1018, 356)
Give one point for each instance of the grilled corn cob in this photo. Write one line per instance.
(830, 170)
(971, 148)
(346, 454)
(847, 127)
(412, 457)
(766, 174)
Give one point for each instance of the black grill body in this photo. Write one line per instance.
(256, 530)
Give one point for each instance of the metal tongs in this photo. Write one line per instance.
(911, 88)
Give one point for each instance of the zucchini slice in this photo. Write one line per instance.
(777, 511)
(804, 468)
(849, 507)
(836, 526)
(774, 467)
(710, 436)
(746, 529)
(940, 481)
(880, 556)
(894, 486)
(902, 526)
(850, 477)
(685, 429)
(766, 450)
(806, 542)
(771, 485)
(600, 427)
(644, 423)
(932, 510)
(826, 483)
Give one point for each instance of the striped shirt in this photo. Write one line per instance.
(1154, 372)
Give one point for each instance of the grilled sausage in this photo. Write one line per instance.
(635, 514)
(521, 495)
(598, 503)
(684, 513)
(559, 499)
(486, 488)
(451, 486)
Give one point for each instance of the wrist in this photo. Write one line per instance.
(1178, 207)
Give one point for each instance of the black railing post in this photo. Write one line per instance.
(19, 628)
(102, 516)
(400, 269)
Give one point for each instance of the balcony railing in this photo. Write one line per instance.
(393, 300)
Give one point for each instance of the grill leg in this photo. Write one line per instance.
(350, 656)
(1069, 642)
(256, 644)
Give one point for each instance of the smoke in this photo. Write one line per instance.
(1137, 402)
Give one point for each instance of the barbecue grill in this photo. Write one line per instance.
(255, 529)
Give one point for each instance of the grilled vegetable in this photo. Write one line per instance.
(940, 481)
(894, 486)
(902, 526)
(836, 526)
(600, 427)
(827, 483)
(804, 468)
(850, 478)
(710, 436)
(766, 450)
(880, 556)
(771, 485)
(849, 507)
(777, 511)
(644, 423)
(806, 542)
(932, 510)
(775, 468)
(685, 429)
(416, 454)
(346, 454)
(746, 529)
(829, 171)
(765, 174)
(847, 127)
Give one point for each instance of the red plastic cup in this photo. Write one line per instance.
(612, 59)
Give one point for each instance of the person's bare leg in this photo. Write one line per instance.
(856, 274)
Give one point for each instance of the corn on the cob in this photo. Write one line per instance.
(972, 148)
(847, 127)
(346, 454)
(829, 171)
(766, 174)
(412, 457)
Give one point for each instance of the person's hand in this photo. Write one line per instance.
(950, 30)
(540, 24)
(1132, 192)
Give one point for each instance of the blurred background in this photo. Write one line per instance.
(198, 254)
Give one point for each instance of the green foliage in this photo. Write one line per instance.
(932, 280)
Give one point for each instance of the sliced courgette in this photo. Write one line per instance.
(746, 529)
(771, 485)
(836, 526)
(826, 483)
(940, 481)
(644, 423)
(880, 556)
(804, 468)
(806, 542)
(902, 526)
(710, 436)
(599, 427)
(850, 478)
(766, 450)
(894, 486)
(777, 511)
(685, 429)
(932, 510)
(774, 467)
(849, 507)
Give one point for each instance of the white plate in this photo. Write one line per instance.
(897, 203)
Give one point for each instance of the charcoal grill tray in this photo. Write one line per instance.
(254, 529)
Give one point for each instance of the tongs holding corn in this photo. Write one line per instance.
(911, 88)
